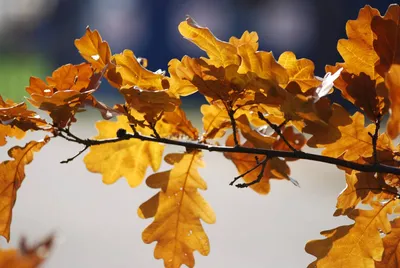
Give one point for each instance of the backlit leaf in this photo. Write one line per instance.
(12, 174)
(392, 81)
(391, 243)
(177, 210)
(127, 158)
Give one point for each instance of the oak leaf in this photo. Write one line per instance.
(392, 81)
(215, 120)
(94, 50)
(358, 245)
(126, 158)
(221, 54)
(176, 124)
(358, 51)
(247, 38)
(134, 74)
(177, 210)
(362, 188)
(26, 256)
(391, 254)
(12, 174)
(387, 42)
(299, 70)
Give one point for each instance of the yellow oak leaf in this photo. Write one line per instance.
(179, 86)
(177, 210)
(127, 158)
(9, 131)
(94, 50)
(391, 243)
(215, 120)
(134, 74)
(246, 38)
(354, 141)
(12, 174)
(358, 51)
(176, 124)
(358, 245)
(221, 54)
(299, 70)
(262, 63)
(362, 188)
(387, 42)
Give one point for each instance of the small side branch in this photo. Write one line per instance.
(75, 156)
(248, 171)
(277, 129)
(231, 114)
(263, 164)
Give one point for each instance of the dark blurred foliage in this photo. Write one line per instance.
(310, 28)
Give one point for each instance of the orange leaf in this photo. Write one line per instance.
(134, 74)
(362, 187)
(358, 51)
(387, 43)
(12, 174)
(176, 124)
(26, 257)
(94, 50)
(299, 70)
(128, 158)
(358, 245)
(221, 54)
(246, 39)
(215, 121)
(179, 86)
(391, 243)
(177, 210)
(392, 81)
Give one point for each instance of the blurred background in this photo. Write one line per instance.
(97, 225)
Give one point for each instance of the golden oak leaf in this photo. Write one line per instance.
(177, 210)
(150, 102)
(94, 50)
(12, 174)
(246, 38)
(134, 74)
(15, 119)
(9, 131)
(26, 257)
(327, 131)
(68, 90)
(127, 158)
(177, 85)
(221, 54)
(354, 142)
(215, 120)
(296, 140)
(255, 137)
(262, 63)
(392, 81)
(387, 42)
(362, 188)
(358, 51)
(358, 245)
(391, 254)
(176, 124)
(299, 70)
(276, 168)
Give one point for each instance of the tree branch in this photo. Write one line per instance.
(263, 164)
(380, 168)
(248, 171)
(375, 138)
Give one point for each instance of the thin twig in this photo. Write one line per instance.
(278, 131)
(380, 168)
(375, 138)
(75, 156)
(259, 177)
(231, 114)
(248, 171)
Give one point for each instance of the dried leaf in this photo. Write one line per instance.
(391, 255)
(177, 210)
(12, 174)
(215, 121)
(127, 158)
(358, 245)
(392, 81)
